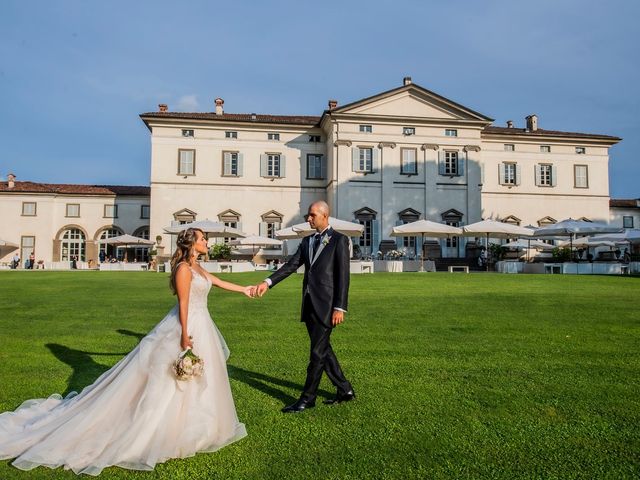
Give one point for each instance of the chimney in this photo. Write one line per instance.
(509, 123)
(333, 104)
(532, 122)
(219, 104)
(406, 81)
(162, 107)
(11, 180)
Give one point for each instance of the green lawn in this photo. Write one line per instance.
(457, 376)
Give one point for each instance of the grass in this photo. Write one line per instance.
(458, 376)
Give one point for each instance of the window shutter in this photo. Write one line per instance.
(375, 236)
(323, 167)
(263, 165)
(502, 173)
(375, 162)
(240, 164)
(553, 175)
(355, 159)
(461, 164)
(538, 173)
(440, 162)
(518, 174)
(239, 226)
(283, 165)
(262, 229)
(226, 164)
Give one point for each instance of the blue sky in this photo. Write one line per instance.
(75, 75)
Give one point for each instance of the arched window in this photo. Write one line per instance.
(73, 245)
(141, 254)
(104, 250)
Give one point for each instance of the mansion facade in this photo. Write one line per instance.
(392, 158)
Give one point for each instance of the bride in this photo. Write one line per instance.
(137, 413)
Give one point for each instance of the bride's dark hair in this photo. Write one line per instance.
(184, 251)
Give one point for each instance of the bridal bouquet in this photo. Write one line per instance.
(188, 365)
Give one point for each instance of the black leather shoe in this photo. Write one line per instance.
(340, 398)
(298, 407)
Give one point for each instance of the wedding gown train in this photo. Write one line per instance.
(136, 414)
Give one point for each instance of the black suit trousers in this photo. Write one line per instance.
(321, 357)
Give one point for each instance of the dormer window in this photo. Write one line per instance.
(187, 133)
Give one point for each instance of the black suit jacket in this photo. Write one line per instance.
(326, 280)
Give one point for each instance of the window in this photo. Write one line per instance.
(366, 128)
(111, 211)
(73, 209)
(106, 250)
(187, 133)
(545, 149)
(271, 222)
(73, 245)
(544, 175)
(186, 162)
(315, 166)
(581, 150)
(452, 242)
(509, 174)
(231, 164)
(369, 240)
(627, 221)
(408, 131)
(509, 147)
(449, 166)
(273, 165)
(409, 166)
(29, 209)
(581, 176)
(145, 211)
(273, 136)
(314, 138)
(365, 161)
(229, 134)
(27, 247)
(451, 132)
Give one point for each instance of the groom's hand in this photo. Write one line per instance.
(337, 318)
(262, 288)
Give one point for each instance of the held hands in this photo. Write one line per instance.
(250, 291)
(261, 289)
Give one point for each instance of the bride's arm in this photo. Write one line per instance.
(183, 285)
(249, 290)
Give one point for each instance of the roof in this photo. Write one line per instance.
(624, 203)
(491, 130)
(72, 189)
(236, 117)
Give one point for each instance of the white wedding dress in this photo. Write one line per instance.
(136, 414)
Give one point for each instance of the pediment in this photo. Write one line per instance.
(185, 215)
(409, 212)
(412, 101)
(452, 214)
(512, 219)
(546, 221)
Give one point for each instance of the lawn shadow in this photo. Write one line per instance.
(268, 385)
(131, 333)
(85, 370)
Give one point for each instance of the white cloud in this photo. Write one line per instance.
(187, 103)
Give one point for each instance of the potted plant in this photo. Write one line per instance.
(220, 251)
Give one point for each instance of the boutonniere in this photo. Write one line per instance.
(326, 240)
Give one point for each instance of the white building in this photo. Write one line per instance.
(57, 222)
(403, 154)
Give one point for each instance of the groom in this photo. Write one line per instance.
(325, 289)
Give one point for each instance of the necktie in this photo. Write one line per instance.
(316, 244)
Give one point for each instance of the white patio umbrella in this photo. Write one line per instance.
(425, 228)
(522, 244)
(495, 229)
(127, 240)
(587, 242)
(350, 229)
(570, 228)
(289, 234)
(211, 228)
(7, 247)
(256, 241)
(631, 235)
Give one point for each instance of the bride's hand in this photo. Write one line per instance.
(186, 342)
(249, 291)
